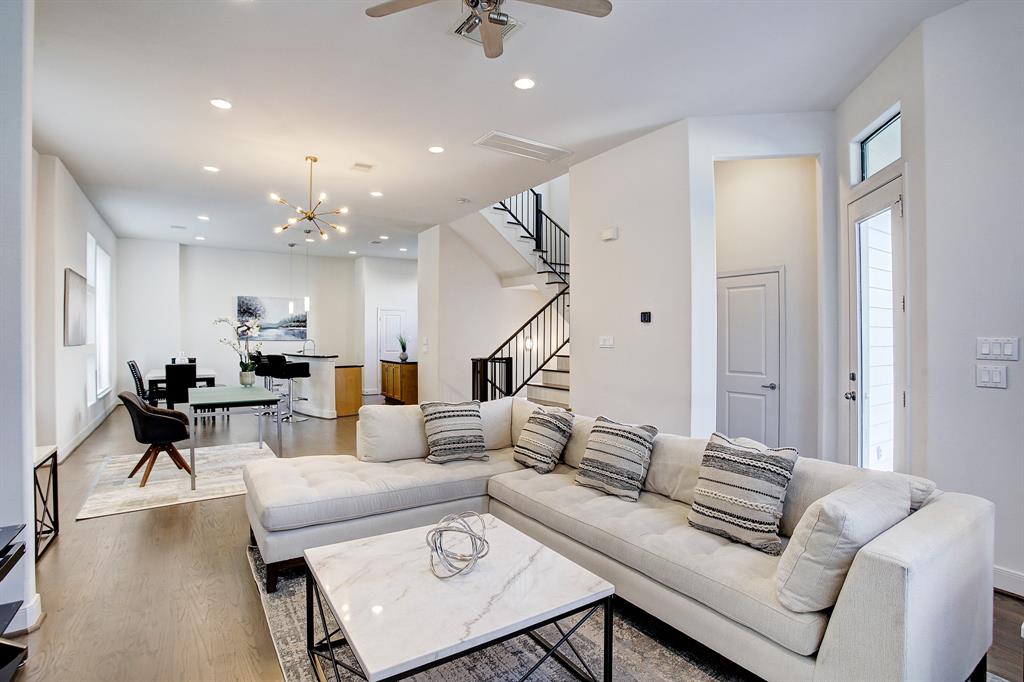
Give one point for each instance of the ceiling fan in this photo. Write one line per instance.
(487, 15)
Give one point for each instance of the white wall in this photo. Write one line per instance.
(766, 215)
(64, 217)
(463, 313)
(974, 171)
(555, 193)
(641, 188)
(957, 81)
(16, 292)
(385, 283)
(211, 279)
(148, 329)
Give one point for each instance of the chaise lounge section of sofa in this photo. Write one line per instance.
(916, 604)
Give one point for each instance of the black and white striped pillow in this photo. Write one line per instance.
(543, 438)
(455, 431)
(741, 487)
(617, 458)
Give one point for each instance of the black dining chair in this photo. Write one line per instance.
(159, 429)
(180, 378)
(147, 395)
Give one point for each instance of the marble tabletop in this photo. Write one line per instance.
(397, 615)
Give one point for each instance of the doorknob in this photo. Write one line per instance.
(771, 387)
(850, 395)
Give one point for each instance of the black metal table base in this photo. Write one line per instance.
(321, 651)
(47, 503)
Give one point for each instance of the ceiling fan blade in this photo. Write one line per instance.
(490, 35)
(595, 8)
(392, 6)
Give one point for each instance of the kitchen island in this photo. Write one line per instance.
(315, 396)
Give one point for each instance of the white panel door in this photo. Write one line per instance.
(750, 356)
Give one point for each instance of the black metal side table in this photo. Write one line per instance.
(12, 655)
(47, 507)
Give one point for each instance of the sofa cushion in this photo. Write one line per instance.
(652, 536)
(305, 491)
(577, 445)
(815, 478)
(675, 462)
(819, 555)
(387, 433)
(497, 418)
(617, 458)
(455, 431)
(543, 438)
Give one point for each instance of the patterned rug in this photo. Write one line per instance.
(218, 474)
(646, 650)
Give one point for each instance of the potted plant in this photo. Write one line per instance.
(241, 331)
(403, 356)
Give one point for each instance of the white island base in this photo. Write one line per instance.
(318, 390)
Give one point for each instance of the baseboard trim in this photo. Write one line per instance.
(1008, 580)
(28, 618)
(64, 451)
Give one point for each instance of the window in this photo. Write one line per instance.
(98, 277)
(880, 148)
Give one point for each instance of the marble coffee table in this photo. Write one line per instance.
(399, 619)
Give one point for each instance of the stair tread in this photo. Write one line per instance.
(552, 369)
(551, 403)
(554, 386)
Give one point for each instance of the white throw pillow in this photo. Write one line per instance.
(388, 433)
(814, 564)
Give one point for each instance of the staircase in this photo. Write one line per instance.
(535, 356)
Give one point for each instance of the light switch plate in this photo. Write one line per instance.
(998, 348)
(990, 376)
(606, 342)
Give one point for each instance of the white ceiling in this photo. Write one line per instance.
(122, 90)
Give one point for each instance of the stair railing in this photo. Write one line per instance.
(515, 362)
(550, 240)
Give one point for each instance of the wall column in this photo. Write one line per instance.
(16, 270)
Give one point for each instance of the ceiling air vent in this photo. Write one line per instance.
(520, 146)
(362, 167)
(473, 34)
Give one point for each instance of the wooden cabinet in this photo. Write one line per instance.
(399, 382)
(348, 389)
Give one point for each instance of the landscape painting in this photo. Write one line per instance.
(280, 319)
(74, 308)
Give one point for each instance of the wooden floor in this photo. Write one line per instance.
(167, 594)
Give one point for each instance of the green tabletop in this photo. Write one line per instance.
(231, 396)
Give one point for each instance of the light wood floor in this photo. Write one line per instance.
(167, 594)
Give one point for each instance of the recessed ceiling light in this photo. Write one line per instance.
(384, 236)
(310, 240)
(200, 239)
(462, 200)
(375, 193)
(403, 249)
(220, 103)
(202, 217)
(211, 169)
(524, 83)
(351, 253)
(435, 150)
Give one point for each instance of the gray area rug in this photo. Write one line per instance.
(218, 474)
(645, 649)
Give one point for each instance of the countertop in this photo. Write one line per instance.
(399, 362)
(311, 355)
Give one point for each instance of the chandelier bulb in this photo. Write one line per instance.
(323, 196)
(323, 235)
(343, 210)
(278, 230)
(274, 197)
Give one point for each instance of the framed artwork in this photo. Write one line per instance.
(281, 319)
(75, 310)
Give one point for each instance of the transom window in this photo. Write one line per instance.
(880, 148)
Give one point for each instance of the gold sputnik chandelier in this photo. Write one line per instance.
(311, 214)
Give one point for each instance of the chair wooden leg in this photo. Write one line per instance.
(149, 468)
(179, 459)
(142, 460)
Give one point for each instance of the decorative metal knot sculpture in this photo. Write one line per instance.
(447, 563)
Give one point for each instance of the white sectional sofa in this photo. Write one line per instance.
(916, 604)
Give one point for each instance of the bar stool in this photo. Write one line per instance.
(289, 371)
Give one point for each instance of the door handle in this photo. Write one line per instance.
(771, 387)
(850, 395)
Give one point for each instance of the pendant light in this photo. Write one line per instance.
(291, 302)
(305, 299)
